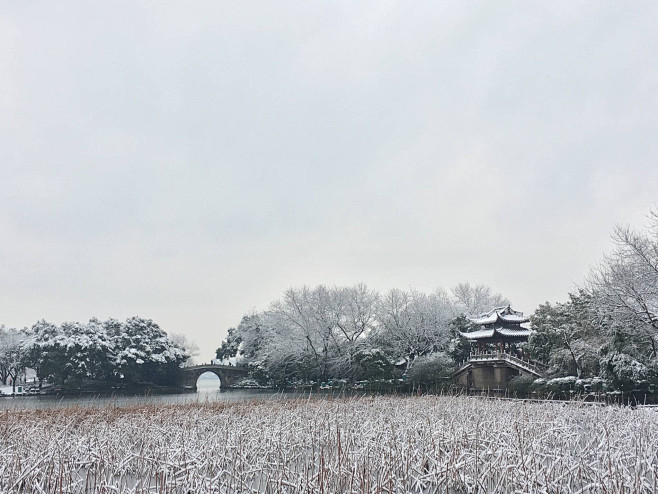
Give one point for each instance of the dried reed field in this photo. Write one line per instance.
(368, 444)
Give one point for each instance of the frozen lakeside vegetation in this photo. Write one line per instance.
(365, 444)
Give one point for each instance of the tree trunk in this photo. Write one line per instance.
(575, 360)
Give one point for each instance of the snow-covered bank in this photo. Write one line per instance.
(365, 444)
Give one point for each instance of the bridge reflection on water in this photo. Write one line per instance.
(208, 382)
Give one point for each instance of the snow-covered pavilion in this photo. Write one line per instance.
(495, 357)
(501, 327)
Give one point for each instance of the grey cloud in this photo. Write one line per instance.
(189, 163)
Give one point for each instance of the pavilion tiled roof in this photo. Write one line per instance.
(485, 333)
(500, 315)
(501, 323)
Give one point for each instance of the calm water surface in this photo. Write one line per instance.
(207, 391)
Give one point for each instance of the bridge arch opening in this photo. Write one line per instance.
(208, 382)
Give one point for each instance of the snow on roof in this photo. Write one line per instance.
(482, 334)
(514, 332)
(500, 314)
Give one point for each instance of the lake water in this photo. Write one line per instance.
(208, 390)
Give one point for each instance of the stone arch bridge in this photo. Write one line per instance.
(228, 374)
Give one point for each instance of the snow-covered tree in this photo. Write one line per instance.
(88, 349)
(42, 353)
(354, 319)
(249, 338)
(275, 349)
(328, 327)
(189, 347)
(565, 337)
(473, 300)
(309, 334)
(624, 286)
(70, 353)
(230, 346)
(415, 324)
(11, 354)
(306, 319)
(325, 332)
(73, 353)
(459, 348)
(143, 352)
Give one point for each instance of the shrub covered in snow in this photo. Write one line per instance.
(432, 369)
(521, 385)
(624, 372)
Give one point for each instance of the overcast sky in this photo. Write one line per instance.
(189, 161)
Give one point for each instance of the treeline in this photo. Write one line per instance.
(314, 335)
(606, 333)
(605, 336)
(106, 352)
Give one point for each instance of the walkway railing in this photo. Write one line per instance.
(527, 365)
(215, 366)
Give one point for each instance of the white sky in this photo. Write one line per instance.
(189, 161)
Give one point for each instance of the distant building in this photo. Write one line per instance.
(495, 357)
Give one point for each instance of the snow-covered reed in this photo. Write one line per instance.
(366, 444)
